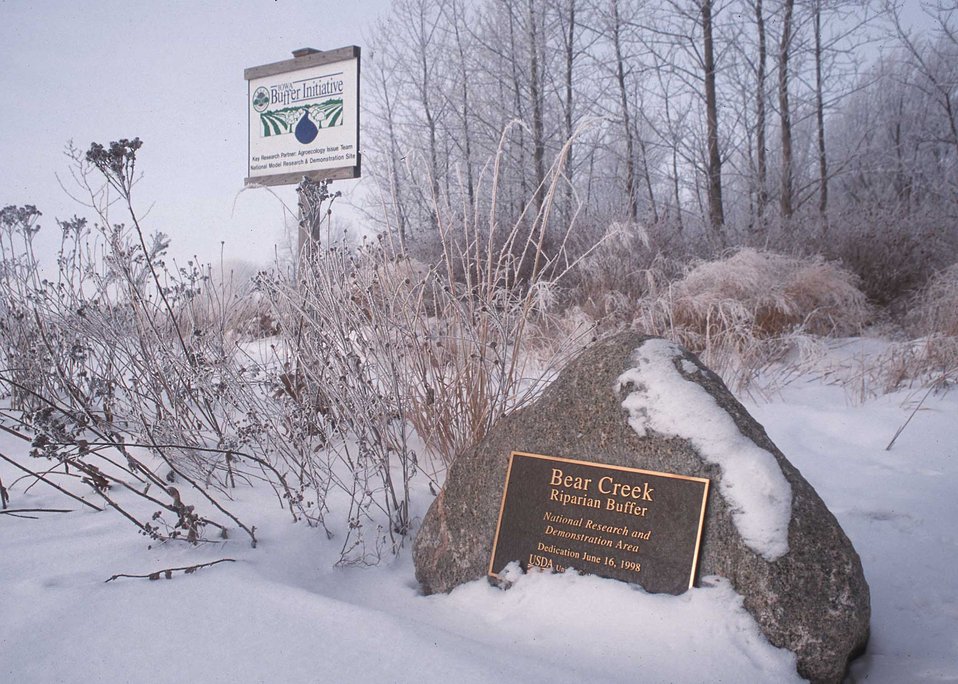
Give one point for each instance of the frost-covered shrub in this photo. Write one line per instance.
(622, 264)
(139, 376)
(739, 311)
(391, 365)
(767, 294)
(934, 310)
(616, 264)
(450, 346)
(892, 252)
(225, 296)
(20, 346)
(932, 320)
(926, 361)
(115, 386)
(142, 377)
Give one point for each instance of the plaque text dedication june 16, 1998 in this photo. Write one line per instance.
(635, 525)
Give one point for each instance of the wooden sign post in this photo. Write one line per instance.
(304, 127)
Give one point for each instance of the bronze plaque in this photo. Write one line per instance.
(633, 525)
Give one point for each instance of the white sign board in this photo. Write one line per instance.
(304, 118)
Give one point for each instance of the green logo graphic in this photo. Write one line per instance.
(327, 114)
(260, 99)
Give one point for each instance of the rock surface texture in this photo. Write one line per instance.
(806, 590)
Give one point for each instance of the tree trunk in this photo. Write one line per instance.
(535, 94)
(760, 125)
(820, 121)
(569, 38)
(520, 114)
(464, 93)
(626, 118)
(394, 161)
(675, 172)
(647, 174)
(716, 213)
(784, 113)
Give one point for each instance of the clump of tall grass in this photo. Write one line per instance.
(457, 341)
(227, 299)
(931, 356)
(934, 310)
(745, 311)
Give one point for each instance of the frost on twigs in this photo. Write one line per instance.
(129, 373)
(113, 381)
(169, 572)
(750, 309)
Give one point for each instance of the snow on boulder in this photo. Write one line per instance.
(644, 403)
(661, 399)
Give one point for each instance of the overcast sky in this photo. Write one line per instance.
(172, 74)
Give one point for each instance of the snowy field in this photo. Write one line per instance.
(283, 613)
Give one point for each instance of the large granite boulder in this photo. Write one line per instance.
(644, 403)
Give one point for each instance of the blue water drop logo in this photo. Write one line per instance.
(306, 130)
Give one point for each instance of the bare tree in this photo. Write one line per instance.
(456, 20)
(935, 61)
(382, 78)
(784, 111)
(716, 210)
(535, 96)
(761, 152)
(616, 36)
(820, 119)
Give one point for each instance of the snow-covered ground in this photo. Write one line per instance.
(283, 613)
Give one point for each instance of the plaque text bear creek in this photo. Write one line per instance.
(634, 525)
